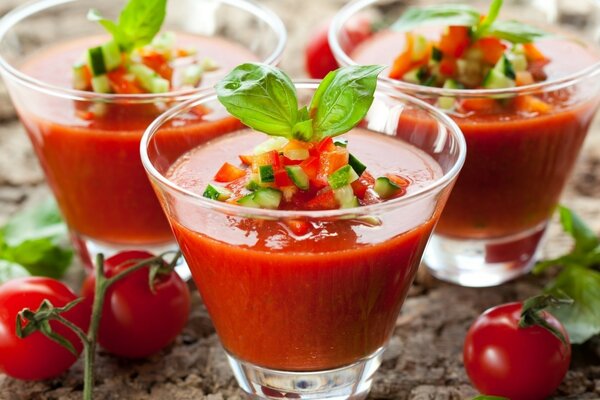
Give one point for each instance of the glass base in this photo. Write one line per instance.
(483, 262)
(88, 249)
(350, 382)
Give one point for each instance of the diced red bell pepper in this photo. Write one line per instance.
(491, 48)
(311, 167)
(532, 104)
(324, 200)
(246, 159)
(298, 226)
(268, 158)
(282, 178)
(455, 41)
(361, 185)
(228, 173)
(121, 84)
(398, 180)
(403, 63)
(479, 104)
(158, 63)
(448, 66)
(326, 145)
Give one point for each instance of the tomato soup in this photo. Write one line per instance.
(93, 164)
(517, 163)
(303, 303)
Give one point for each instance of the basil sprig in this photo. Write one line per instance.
(265, 99)
(139, 22)
(464, 15)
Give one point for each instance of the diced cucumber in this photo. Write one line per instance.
(296, 154)
(415, 75)
(298, 176)
(345, 197)
(518, 61)
(266, 174)
(419, 47)
(473, 54)
(101, 84)
(164, 42)
(436, 54)
(215, 192)
(80, 77)
(518, 49)
(149, 79)
(253, 184)
(209, 64)
(429, 81)
(340, 142)
(497, 80)
(248, 201)
(385, 188)
(267, 198)
(342, 177)
(505, 67)
(446, 102)
(112, 55)
(356, 165)
(192, 75)
(95, 59)
(275, 143)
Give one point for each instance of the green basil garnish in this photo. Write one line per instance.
(264, 98)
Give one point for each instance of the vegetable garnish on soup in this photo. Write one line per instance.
(473, 51)
(138, 59)
(303, 166)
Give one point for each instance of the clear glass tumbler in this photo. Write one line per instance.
(517, 163)
(91, 160)
(307, 316)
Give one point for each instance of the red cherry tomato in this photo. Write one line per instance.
(36, 357)
(504, 360)
(135, 322)
(319, 59)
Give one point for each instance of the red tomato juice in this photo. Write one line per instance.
(517, 163)
(93, 164)
(303, 303)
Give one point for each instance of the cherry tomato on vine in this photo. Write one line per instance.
(318, 57)
(135, 322)
(503, 359)
(36, 357)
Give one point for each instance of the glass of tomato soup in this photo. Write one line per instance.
(85, 98)
(524, 95)
(304, 283)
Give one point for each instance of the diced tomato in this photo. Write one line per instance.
(246, 159)
(326, 145)
(121, 83)
(282, 178)
(158, 63)
(200, 110)
(532, 104)
(311, 167)
(228, 173)
(298, 226)
(329, 162)
(361, 185)
(491, 48)
(533, 53)
(448, 66)
(455, 41)
(479, 104)
(287, 161)
(524, 78)
(324, 200)
(403, 63)
(536, 68)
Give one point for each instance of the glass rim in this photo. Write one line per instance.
(351, 8)
(18, 14)
(226, 208)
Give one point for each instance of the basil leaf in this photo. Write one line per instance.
(42, 221)
(43, 257)
(586, 240)
(582, 318)
(262, 97)
(516, 32)
(10, 270)
(447, 14)
(343, 99)
(138, 23)
(489, 19)
(141, 20)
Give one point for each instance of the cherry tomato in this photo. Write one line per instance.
(135, 322)
(318, 57)
(504, 360)
(36, 357)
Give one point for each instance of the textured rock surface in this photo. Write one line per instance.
(424, 358)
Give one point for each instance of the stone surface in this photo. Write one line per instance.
(424, 357)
